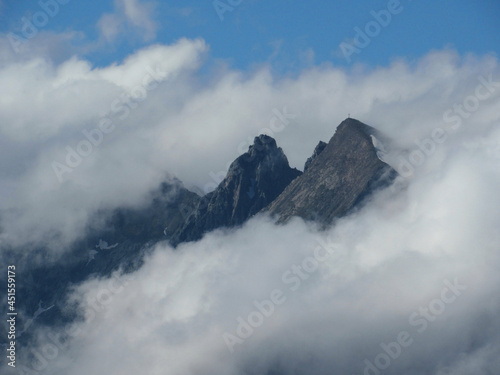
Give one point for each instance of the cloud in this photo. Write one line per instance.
(192, 126)
(417, 265)
(57, 47)
(391, 260)
(134, 14)
(64, 101)
(109, 25)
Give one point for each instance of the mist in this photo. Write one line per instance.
(406, 284)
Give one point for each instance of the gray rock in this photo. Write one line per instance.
(337, 179)
(253, 181)
(318, 150)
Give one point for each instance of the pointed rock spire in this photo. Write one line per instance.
(253, 181)
(337, 178)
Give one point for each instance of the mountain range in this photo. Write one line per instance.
(337, 178)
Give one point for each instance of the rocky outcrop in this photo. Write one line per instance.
(318, 150)
(253, 181)
(337, 179)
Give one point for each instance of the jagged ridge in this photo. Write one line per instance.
(253, 181)
(337, 178)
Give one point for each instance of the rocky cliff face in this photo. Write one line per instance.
(337, 178)
(253, 181)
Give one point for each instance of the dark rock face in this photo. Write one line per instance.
(114, 239)
(254, 180)
(337, 179)
(318, 150)
(155, 222)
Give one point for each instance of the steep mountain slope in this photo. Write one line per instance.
(253, 181)
(337, 178)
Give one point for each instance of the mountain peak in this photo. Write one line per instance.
(265, 146)
(264, 141)
(353, 125)
(253, 181)
(337, 178)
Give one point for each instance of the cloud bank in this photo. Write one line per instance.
(416, 267)
(407, 285)
(164, 114)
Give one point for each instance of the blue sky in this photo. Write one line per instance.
(287, 35)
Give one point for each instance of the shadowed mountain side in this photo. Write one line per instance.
(114, 239)
(253, 181)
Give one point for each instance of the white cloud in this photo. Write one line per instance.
(193, 127)
(388, 261)
(139, 13)
(56, 47)
(46, 107)
(392, 257)
(135, 14)
(109, 25)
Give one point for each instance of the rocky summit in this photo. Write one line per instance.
(337, 177)
(253, 181)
